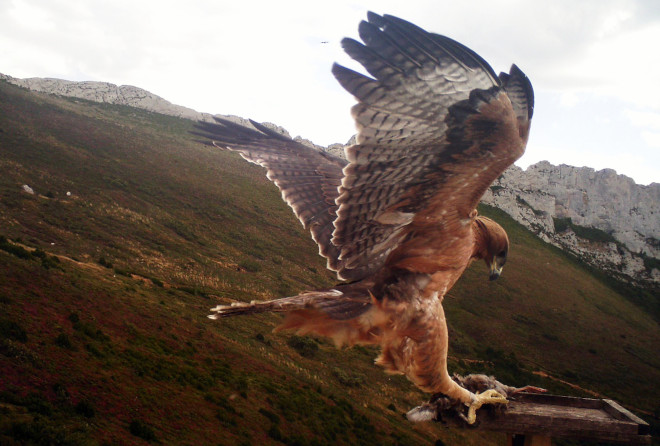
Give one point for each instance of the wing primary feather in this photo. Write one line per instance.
(269, 132)
(461, 54)
(359, 85)
(374, 36)
(369, 58)
(519, 88)
(406, 31)
(308, 179)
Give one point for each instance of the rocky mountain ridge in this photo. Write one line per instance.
(130, 96)
(603, 218)
(599, 216)
(107, 93)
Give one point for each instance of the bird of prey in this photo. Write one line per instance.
(397, 218)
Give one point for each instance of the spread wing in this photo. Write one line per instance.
(308, 178)
(436, 126)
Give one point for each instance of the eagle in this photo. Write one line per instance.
(396, 219)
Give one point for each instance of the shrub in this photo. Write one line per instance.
(41, 431)
(36, 403)
(261, 338)
(650, 263)
(63, 341)
(40, 253)
(592, 234)
(275, 434)
(250, 265)
(194, 291)
(85, 409)
(305, 346)
(16, 250)
(270, 415)
(142, 430)
(551, 337)
(122, 272)
(103, 262)
(561, 224)
(522, 202)
(49, 262)
(347, 379)
(10, 329)
(91, 348)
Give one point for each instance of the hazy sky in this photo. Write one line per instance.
(594, 64)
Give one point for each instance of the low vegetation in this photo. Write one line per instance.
(591, 234)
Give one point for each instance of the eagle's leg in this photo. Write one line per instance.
(427, 366)
(473, 400)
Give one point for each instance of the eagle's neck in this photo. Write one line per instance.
(481, 239)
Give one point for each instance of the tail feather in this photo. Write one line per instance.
(332, 313)
(312, 299)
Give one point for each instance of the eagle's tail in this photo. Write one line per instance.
(311, 299)
(332, 313)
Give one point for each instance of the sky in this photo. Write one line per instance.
(594, 64)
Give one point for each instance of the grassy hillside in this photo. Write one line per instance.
(134, 231)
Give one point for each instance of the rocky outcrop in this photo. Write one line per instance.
(604, 218)
(108, 93)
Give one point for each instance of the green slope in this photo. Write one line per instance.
(103, 331)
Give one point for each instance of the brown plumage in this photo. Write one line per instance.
(397, 219)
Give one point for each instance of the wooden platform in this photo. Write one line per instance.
(544, 417)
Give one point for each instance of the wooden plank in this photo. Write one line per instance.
(621, 413)
(553, 416)
(538, 440)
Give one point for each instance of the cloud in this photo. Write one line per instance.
(569, 99)
(652, 138)
(267, 60)
(648, 122)
(643, 118)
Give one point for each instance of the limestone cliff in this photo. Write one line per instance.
(108, 93)
(604, 218)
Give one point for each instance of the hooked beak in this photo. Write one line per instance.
(495, 271)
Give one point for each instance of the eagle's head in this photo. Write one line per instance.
(493, 245)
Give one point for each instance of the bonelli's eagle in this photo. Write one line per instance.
(397, 219)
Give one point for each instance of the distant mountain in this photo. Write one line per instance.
(555, 202)
(107, 93)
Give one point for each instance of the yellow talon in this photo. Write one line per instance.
(488, 397)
